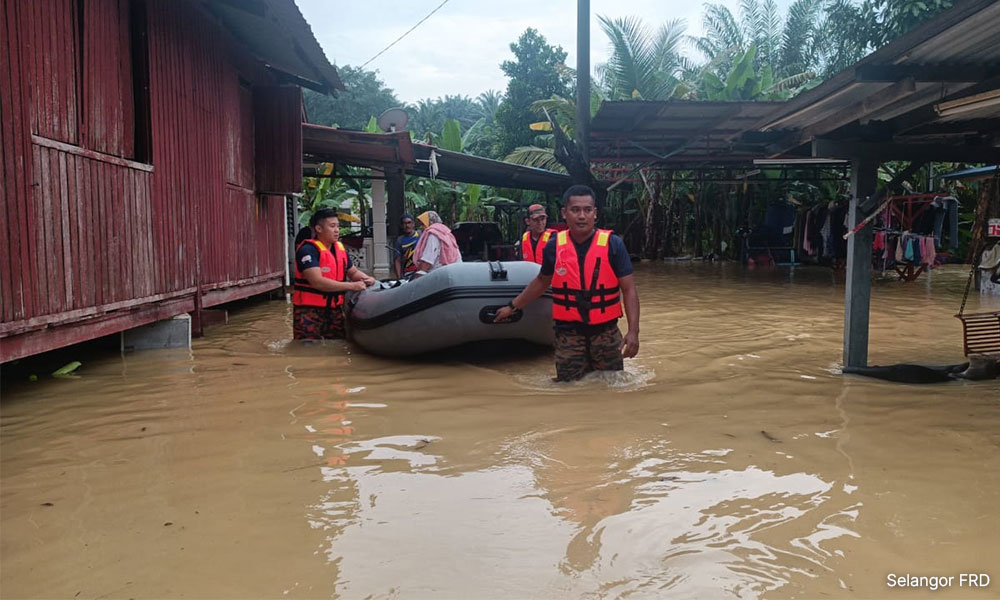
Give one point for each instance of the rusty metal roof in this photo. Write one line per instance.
(396, 150)
(277, 33)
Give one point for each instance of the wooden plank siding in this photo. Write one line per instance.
(94, 241)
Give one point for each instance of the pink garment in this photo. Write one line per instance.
(879, 242)
(449, 247)
(927, 250)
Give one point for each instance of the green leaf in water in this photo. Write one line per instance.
(67, 369)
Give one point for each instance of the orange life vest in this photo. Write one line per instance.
(592, 296)
(332, 267)
(534, 254)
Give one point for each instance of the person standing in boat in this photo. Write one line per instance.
(590, 273)
(405, 245)
(437, 246)
(537, 235)
(323, 273)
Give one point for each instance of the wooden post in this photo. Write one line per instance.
(394, 185)
(857, 292)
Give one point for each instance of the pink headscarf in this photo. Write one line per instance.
(449, 247)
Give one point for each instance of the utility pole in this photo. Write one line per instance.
(583, 78)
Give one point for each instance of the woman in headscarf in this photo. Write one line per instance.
(437, 246)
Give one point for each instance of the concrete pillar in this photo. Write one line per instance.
(395, 183)
(857, 292)
(380, 268)
(169, 333)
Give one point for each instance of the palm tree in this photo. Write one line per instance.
(488, 102)
(790, 49)
(642, 65)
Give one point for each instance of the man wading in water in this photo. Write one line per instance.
(323, 272)
(590, 272)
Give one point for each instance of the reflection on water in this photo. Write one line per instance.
(730, 459)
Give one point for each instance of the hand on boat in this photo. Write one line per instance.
(358, 286)
(630, 345)
(368, 280)
(504, 314)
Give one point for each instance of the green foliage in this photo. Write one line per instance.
(852, 30)
(366, 95)
(334, 192)
(641, 65)
(429, 115)
(781, 50)
(538, 72)
(451, 136)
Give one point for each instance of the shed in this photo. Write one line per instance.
(148, 147)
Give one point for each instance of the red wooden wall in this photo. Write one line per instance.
(96, 237)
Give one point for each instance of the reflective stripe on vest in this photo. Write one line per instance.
(534, 254)
(592, 296)
(332, 267)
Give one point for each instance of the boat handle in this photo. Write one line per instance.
(488, 313)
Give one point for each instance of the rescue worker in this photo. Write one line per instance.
(323, 273)
(537, 235)
(590, 273)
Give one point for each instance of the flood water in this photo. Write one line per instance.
(730, 460)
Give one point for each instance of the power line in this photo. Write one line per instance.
(405, 34)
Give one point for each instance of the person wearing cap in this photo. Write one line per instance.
(323, 274)
(537, 235)
(405, 245)
(437, 246)
(590, 273)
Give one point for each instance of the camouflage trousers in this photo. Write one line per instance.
(315, 323)
(578, 354)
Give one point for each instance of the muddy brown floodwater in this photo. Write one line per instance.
(731, 459)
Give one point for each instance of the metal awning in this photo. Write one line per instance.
(395, 151)
(932, 94)
(277, 33)
(674, 131)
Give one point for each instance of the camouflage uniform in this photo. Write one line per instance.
(316, 323)
(582, 349)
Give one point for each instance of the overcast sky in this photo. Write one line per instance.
(459, 49)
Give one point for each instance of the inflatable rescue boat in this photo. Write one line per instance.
(449, 306)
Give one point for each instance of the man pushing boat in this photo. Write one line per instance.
(590, 273)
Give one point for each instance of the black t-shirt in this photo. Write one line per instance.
(307, 257)
(621, 264)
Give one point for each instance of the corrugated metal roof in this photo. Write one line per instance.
(381, 150)
(277, 33)
(964, 39)
(673, 130)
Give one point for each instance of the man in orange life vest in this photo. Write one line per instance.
(590, 273)
(323, 272)
(537, 235)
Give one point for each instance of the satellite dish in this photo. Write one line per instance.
(394, 119)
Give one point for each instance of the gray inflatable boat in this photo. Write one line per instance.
(449, 306)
